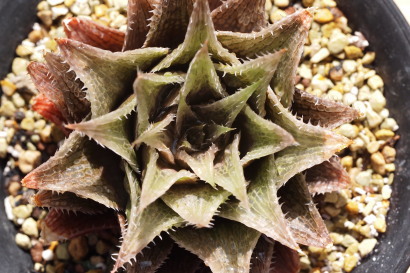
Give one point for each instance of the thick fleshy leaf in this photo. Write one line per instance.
(112, 131)
(305, 222)
(240, 16)
(260, 137)
(145, 226)
(149, 87)
(70, 86)
(82, 167)
(93, 34)
(196, 203)
(201, 84)
(48, 110)
(261, 261)
(169, 23)
(138, 14)
(285, 260)
(67, 202)
(289, 33)
(327, 177)
(320, 111)
(229, 173)
(59, 225)
(224, 111)
(200, 30)
(227, 247)
(157, 180)
(264, 213)
(151, 257)
(180, 261)
(107, 76)
(316, 144)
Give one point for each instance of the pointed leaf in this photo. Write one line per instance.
(261, 137)
(169, 23)
(240, 16)
(261, 261)
(327, 177)
(285, 260)
(93, 34)
(82, 167)
(196, 203)
(264, 213)
(48, 110)
(289, 33)
(227, 247)
(213, 4)
(111, 130)
(107, 76)
(320, 111)
(180, 261)
(200, 30)
(305, 222)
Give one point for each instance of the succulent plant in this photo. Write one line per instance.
(188, 126)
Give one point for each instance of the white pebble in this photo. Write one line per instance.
(281, 3)
(321, 83)
(354, 90)
(369, 219)
(360, 106)
(8, 208)
(377, 101)
(47, 255)
(386, 192)
(375, 82)
(389, 123)
(349, 99)
(373, 118)
(322, 54)
(384, 113)
(349, 66)
(23, 241)
(348, 130)
(55, 2)
(334, 95)
(366, 246)
(364, 178)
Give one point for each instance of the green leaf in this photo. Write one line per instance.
(112, 130)
(82, 167)
(107, 76)
(261, 137)
(229, 173)
(305, 222)
(196, 203)
(200, 30)
(289, 33)
(264, 213)
(227, 247)
(240, 16)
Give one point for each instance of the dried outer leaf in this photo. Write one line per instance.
(201, 163)
(213, 4)
(260, 137)
(289, 33)
(148, 88)
(112, 131)
(107, 75)
(305, 222)
(261, 260)
(320, 111)
(169, 23)
(151, 257)
(200, 30)
(47, 109)
(285, 260)
(46, 83)
(67, 201)
(180, 261)
(201, 84)
(196, 203)
(316, 144)
(224, 111)
(82, 167)
(138, 14)
(240, 16)
(59, 225)
(227, 247)
(145, 226)
(264, 213)
(327, 177)
(229, 173)
(70, 86)
(94, 34)
(157, 180)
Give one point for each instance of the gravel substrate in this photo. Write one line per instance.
(336, 64)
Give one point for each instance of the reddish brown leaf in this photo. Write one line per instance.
(285, 260)
(94, 34)
(213, 4)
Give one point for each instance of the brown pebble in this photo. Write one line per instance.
(307, 3)
(36, 251)
(336, 73)
(35, 36)
(14, 188)
(378, 163)
(78, 248)
(353, 52)
(102, 247)
(290, 10)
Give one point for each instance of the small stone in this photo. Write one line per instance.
(23, 241)
(55, 2)
(78, 248)
(337, 238)
(331, 197)
(22, 211)
(14, 188)
(349, 130)
(321, 83)
(352, 249)
(35, 36)
(377, 101)
(378, 163)
(364, 178)
(347, 162)
(386, 192)
(349, 66)
(27, 124)
(19, 65)
(17, 100)
(46, 16)
(373, 118)
(375, 82)
(307, 3)
(373, 147)
(389, 123)
(349, 99)
(350, 262)
(365, 231)
(323, 16)
(50, 269)
(357, 145)
(38, 267)
(7, 109)
(384, 134)
(380, 224)
(366, 246)
(353, 52)
(100, 10)
(36, 252)
(69, 3)
(29, 227)
(96, 260)
(337, 42)
(8, 87)
(332, 211)
(45, 134)
(334, 95)
(47, 255)
(369, 58)
(40, 124)
(102, 247)
(322, 54)
(348, 240)
(336, 73)
(281, 3)
(81, 7)
(28, 160)
(305, 71)
(389, 154)
(277, 14)
(24, 51)
(58, 11)
(352, 207)
(62, 252)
